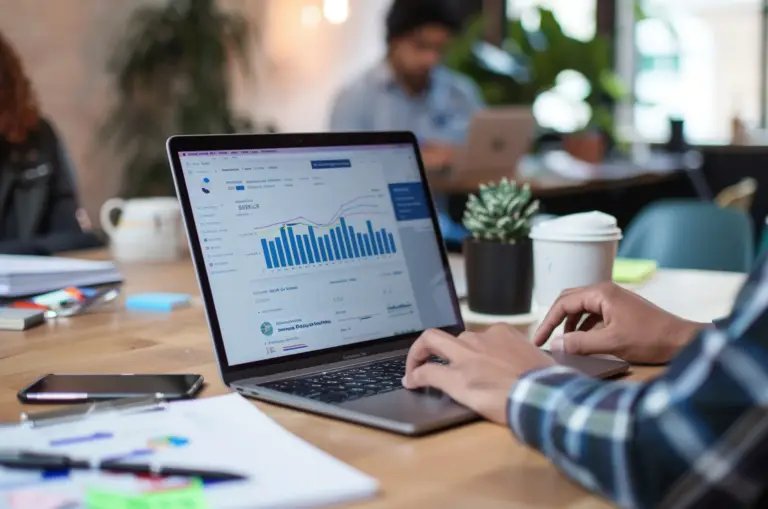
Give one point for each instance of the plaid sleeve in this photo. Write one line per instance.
(697, 436)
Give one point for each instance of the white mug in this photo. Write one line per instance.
(149, 229)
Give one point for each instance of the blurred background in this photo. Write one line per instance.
(116, 78)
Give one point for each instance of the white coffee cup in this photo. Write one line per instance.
(149, 229)
(572, 252)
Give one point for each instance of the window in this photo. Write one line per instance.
(698, 60)
(563, 108)
(577, 17)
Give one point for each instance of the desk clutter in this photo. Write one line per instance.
(277, 468)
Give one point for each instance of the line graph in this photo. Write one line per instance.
(350, 208)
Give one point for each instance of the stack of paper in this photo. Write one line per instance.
(227, 433)
(31, 275)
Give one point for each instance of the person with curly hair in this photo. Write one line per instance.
(39, 210)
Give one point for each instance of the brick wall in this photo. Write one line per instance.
(64, 45)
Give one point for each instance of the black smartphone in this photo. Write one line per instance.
(84, 388)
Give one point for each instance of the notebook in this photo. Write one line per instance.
(224, 433)
(31, 275)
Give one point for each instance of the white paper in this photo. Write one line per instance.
(226, 433)
(23, 265)
(28, 275)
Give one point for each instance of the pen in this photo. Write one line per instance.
(24, 460)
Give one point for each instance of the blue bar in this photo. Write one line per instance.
(314, 244)
(294, 250)
(336, 252)
(347, 241)
(361, 244)
(308, 249)
(280, 252)
(273, 254)
(265, 248)
(340, 238)
(322, 250)
(372, 236)
(392, 243)
(379, 243)
(331, 164)
(368, 245)
(384, 240)
(328, 247)
(302, 253)
(286, 246)
(355, 249)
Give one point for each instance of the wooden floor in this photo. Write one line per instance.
(479, 466)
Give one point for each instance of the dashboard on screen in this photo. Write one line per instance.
(314, 248)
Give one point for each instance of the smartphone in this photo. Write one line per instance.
(85, 388)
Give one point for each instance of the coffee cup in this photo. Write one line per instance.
(572, 252)
(149, 229)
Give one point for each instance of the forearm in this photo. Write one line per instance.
(587, 428)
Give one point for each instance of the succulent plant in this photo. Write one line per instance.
(501, 212)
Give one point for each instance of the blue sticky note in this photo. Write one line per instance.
(157, 301)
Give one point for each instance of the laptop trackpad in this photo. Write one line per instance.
(411, 406)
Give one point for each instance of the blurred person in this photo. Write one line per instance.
(695, 436)
(410, 90)
(39, 210)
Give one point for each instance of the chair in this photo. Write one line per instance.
(691, 235)
(738, 197)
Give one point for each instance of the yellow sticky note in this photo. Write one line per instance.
(626, 270)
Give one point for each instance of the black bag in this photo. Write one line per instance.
(38, 198)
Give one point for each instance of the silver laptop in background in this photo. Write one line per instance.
(320, 262)
(498, 139)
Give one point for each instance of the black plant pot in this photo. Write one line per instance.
(499, 277)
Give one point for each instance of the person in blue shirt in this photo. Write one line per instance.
(410, 90)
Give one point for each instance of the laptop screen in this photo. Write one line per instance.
(308, 249)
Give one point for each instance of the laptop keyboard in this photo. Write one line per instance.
(346, 385)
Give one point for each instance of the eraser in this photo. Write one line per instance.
(158, 301)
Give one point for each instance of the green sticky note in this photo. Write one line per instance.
(191, 497)
(187, 497)
(627, 270)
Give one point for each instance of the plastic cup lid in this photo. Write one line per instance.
(584, 227)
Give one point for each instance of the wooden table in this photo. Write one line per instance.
(476, 466)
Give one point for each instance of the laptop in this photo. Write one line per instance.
(498, 140)
(320, 262)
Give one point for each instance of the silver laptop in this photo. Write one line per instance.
(498, 140)
(320, 262)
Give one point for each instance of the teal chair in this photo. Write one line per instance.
(763, 248)
(691, 235)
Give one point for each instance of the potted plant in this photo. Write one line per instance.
(499, 255)
(172, 74)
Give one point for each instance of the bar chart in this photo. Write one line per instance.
(300, 245)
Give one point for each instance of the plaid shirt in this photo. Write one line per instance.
(696, 436)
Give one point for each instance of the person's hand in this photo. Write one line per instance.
(618, 322)
(481, 367)
(437, 156)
